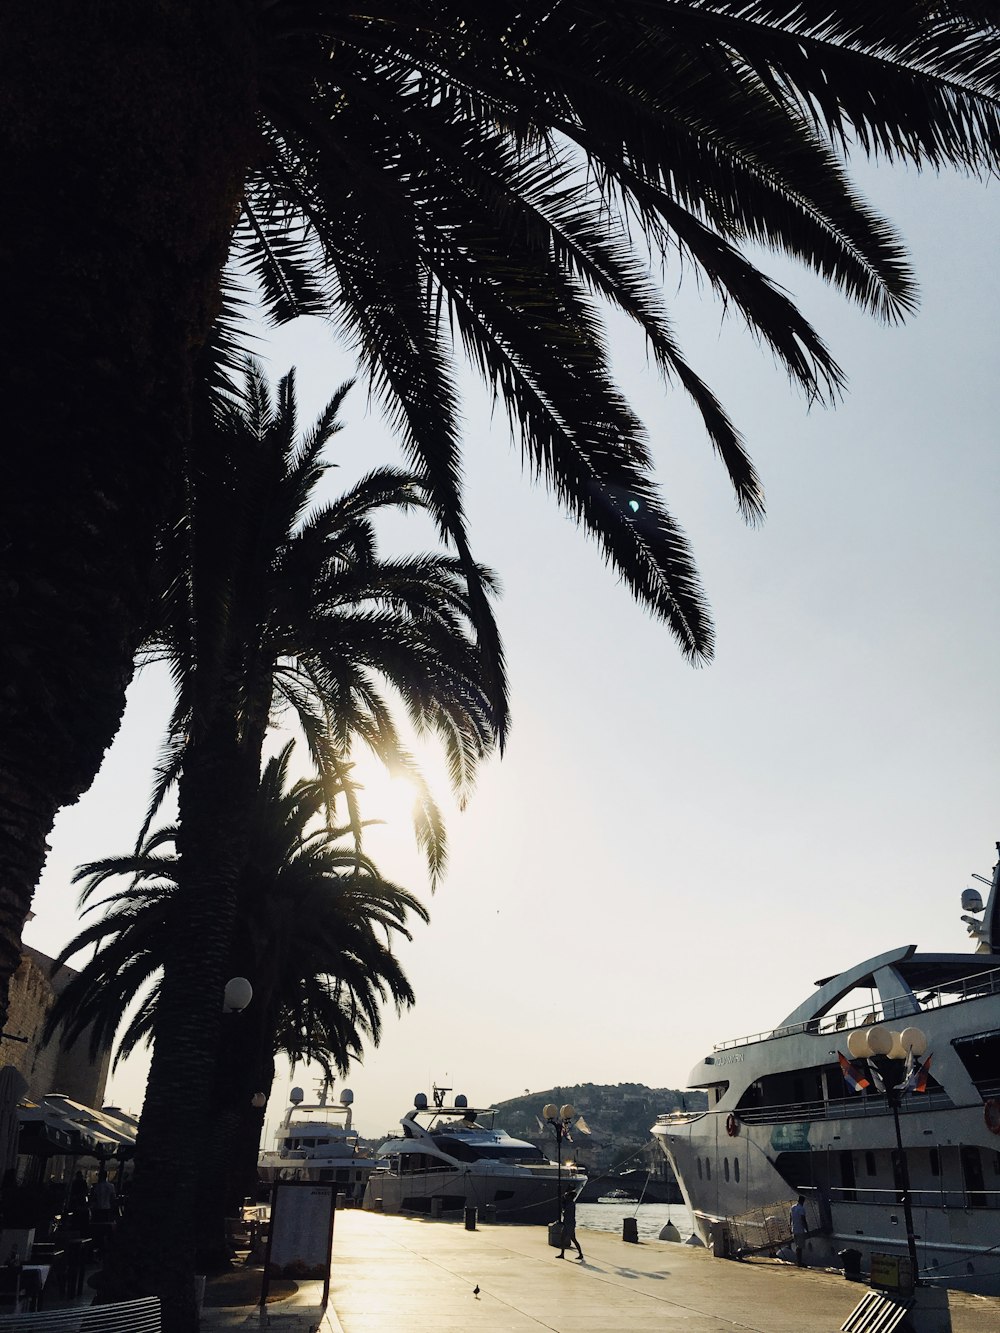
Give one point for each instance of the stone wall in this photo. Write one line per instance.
(50, 1068)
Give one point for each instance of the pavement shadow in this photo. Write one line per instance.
(636, 1274)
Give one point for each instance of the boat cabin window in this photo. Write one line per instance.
(935, 1157)
(981, 1056)
(708, 1167)
(725, 1167)
(803, 1088)
(847, 1179)
(972, 1174)
(719, 1090)
(494, 1152)
(700, 1173)
(736, 1169)
(871, 1168)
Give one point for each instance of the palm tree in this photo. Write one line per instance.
(271, 603)
(315, 928)
(482, 169)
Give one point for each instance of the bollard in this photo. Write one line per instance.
(630, 1230)
(470, 1219)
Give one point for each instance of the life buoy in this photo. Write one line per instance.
(991, 1114)
(733, 1125)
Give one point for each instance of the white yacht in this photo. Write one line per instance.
(450, 1158)
(318, 1142)
(784, 1118)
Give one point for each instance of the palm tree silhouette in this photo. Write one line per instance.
(315, 925)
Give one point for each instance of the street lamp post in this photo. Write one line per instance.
(890, 1055)
(559, 1118)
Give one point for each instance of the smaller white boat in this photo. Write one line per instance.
(450, 1158)
(318, 1142)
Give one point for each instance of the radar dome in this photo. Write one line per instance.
(346, 1096)
(461, 1100)
(296, 1095)
(420, 1101)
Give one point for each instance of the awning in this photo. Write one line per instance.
(59, 1125)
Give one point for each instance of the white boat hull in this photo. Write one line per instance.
(744, 1166)
(522, 1197)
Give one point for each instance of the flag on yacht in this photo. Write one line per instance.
(853, 1076)
(915, 1079)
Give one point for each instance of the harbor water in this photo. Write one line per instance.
(650, 1217)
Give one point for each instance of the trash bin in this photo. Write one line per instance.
(850, 1261)
(555, 1235)
(630, 1230)
(470, 1219)
(720, 1240)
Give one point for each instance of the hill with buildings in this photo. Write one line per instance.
(618, 1117)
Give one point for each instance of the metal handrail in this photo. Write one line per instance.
(837, 1108)
(972, 988)
(939, 1197)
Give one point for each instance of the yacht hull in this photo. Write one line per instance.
(508, 1198)
(742, 1163)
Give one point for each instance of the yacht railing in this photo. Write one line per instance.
(840, 1108)
(961, 989)
(941, 1196)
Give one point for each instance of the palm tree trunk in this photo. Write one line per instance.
(242, 1180)
(245, 1066)
(125, 131)
(155, 1254)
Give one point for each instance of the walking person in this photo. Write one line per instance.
(103, 1210)
(569, 1225)
(800, 1227)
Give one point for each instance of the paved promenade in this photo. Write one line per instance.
(391, 1274)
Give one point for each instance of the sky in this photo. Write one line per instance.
(667, 857)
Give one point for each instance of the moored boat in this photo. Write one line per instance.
(318, 1142)
(812, 1108)
(450, 1158)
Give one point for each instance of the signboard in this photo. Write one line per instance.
(891, 1272)
(300, 1236)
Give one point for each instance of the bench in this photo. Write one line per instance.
(142, 1316)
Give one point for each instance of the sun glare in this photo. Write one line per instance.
(390, 798)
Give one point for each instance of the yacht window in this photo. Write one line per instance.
(720, 1090)
(870, 1168)
(981, 1056)
(708, 1167)
(725, 1167)
(699, 1169)
(935, 1162)
(972, 1174)
(495, 1152)
(736, 1169)
(847, 1176)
